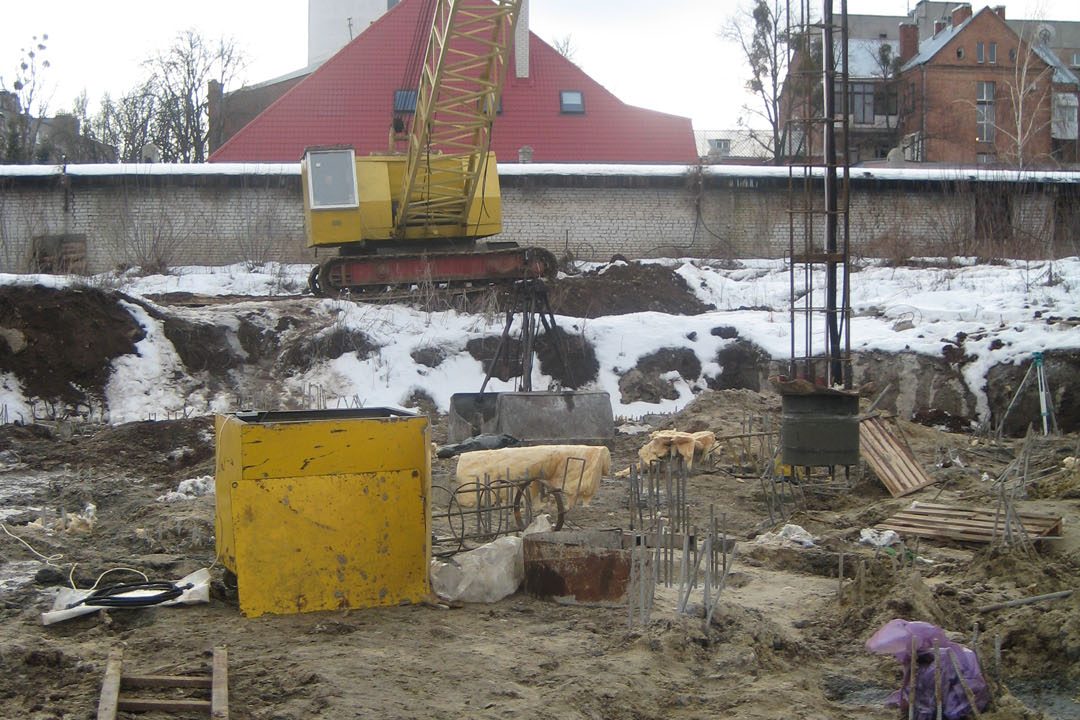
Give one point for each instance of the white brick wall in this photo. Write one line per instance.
(211, 219)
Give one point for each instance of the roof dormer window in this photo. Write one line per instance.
(572, 101)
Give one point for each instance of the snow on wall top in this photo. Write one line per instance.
(909, 174)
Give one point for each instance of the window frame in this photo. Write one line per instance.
(405, 106)
(568, 108)
(985, 111)
(313, 174)
(991, 53)
(980, 52)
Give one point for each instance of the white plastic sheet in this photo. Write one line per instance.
(199, 592)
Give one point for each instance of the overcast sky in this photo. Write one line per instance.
(664, 55)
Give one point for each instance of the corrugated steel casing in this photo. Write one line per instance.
(324, 510)
(819, 429)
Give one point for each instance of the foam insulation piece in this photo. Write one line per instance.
(574, 469)
(671, 443)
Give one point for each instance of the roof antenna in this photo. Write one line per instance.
(349, 20)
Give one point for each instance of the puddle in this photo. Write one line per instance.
(1057, 702)
(18, 488)
(17, 574)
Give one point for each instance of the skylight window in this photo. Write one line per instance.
(571, 101)
(404, 101)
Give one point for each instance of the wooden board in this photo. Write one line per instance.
(974, 525)
(890, 458)
(115, 681)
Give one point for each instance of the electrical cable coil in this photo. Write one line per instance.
(117, 596)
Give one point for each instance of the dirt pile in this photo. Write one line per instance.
(60, 344)
(623, 288)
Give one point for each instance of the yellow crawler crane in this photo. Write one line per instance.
(399, 219)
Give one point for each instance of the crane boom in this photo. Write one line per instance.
(460, 84)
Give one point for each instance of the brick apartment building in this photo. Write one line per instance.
(976, 92)
(941, 84)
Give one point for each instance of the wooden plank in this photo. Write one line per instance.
(110, 686)
(989, 520)
(989, 511)
(968, 524)
(1043, 523)
(166, 681)
(890, 459)
(896, 465)
(219, 695)
(910, 471)
(165, 706)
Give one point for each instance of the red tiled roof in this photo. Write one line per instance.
(349, 101)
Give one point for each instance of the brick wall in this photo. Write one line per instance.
(209, 218)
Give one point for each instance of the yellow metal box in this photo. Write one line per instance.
(324, 509)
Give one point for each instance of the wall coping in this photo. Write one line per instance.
(551, 170)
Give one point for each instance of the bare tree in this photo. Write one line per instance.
(30, 103)
(1029, 94)
(772, 47)
(127, 123)
(887, 93)
(565, 46)
(179, 82)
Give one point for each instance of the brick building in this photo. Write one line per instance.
(976, 92)
(908, 87)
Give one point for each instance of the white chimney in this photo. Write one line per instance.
(521, 42)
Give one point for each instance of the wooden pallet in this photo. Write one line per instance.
(973, 525)
(217, 707)
(890, 458)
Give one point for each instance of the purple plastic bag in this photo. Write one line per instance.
(896, 637)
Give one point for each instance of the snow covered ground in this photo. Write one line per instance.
(1002, 309)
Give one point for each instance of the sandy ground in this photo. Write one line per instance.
(785, 642)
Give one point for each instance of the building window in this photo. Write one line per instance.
(886, 101)
(861, 102)
(959, 53)
(991, 55)
(861, 99)
(984, 111)
(571, 101)
(404, 101)
(720, 146)
(986, 158)
(1076, 60)
(980, 53)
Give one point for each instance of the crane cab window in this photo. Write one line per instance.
(331, 179)
(571, 101)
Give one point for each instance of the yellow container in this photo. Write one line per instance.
(324, 509)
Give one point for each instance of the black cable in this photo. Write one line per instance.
(113, 595)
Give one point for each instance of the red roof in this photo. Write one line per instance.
(348, 100)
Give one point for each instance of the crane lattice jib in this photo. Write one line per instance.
(463, 73)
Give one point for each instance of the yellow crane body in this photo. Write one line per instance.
(351, 200)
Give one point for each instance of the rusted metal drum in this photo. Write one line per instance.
(820, 428)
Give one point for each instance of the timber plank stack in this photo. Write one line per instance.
(973, 525)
